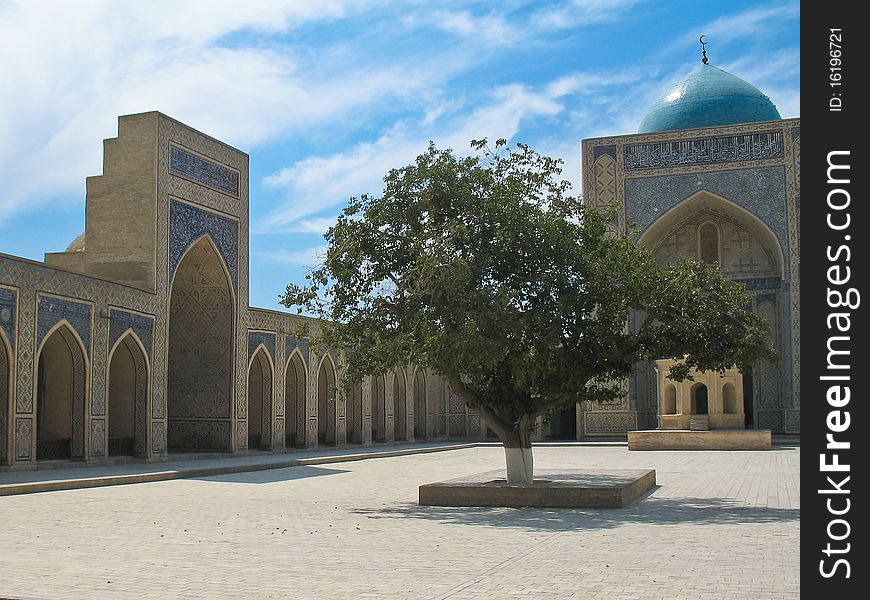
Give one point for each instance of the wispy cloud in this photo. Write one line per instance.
(307, 257)
(321, 183)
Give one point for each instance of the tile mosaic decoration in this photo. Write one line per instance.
(732, 148)
(142, 325)
(267, 338)
(189, 223)
(51, 311)
(7, 313)
(202, 170)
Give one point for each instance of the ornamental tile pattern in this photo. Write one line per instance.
(142, 325)
(8, 306)
(267, 338)
(202, 170)
(189, 223)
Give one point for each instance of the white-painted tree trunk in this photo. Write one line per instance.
(519, 465)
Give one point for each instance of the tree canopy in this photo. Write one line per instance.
(486, 270)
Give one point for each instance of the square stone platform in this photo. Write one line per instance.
(590, 488)
(685, 439)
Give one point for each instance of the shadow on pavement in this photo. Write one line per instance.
(645, 510)
(272, 475)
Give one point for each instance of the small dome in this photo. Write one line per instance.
(708, 97)
(78, 244)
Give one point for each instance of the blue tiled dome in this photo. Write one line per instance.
(707, 97)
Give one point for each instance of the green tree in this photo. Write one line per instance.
(488, 272)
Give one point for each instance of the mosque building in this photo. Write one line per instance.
(713, 174)
(138, 340)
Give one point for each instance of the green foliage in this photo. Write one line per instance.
(487, 271)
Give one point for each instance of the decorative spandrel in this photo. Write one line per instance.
(725, 149)
(204, 171)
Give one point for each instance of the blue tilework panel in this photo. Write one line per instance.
(291, 343)
(203, 171)
(600, 151)
(761, 191)
(255, 338)
(142, 326)
(7, 314)
(188, 223)
(761, 283)
(50, 311)
(702, 151)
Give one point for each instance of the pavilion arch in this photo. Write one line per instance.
(61, 389)
(128, 393)
(421, 409)
(656, 234)
(259, 397)
(326, 390)
(700, 399)
(6, 379)
(400, 405)
(201, 351)
(379, 408)
(295, 419)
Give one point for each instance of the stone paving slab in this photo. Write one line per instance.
(719, 525)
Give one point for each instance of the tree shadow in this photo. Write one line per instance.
(272, 475)
(645, 510)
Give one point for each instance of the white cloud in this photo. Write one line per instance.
(320, 183)
(74, 67)
(308, 257)
(581, 12)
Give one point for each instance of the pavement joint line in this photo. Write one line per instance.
(49, 485)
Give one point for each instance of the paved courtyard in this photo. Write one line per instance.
(719, 525)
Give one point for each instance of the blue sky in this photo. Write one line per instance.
(327, 96)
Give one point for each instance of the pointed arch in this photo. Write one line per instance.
(128, 393)
(326, 413)
(5, 398)
(259, 398)
(668, 223)
(700, 399)
(61, 389)
(379, 409)
(294, 400)
(201, 350)
(669, 402)
(400, 405)
(421, 409)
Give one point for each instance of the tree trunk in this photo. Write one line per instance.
(518, 458)
(516, 436)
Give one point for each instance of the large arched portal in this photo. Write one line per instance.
(714, 229)
(326, 402)
(5, 396)
(60, 396)
(379, 409)
(260, 401)
(294, 402)
(128, 398)
(420, 408)
(200, 366)
(400, 406)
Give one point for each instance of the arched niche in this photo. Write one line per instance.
(379, 409)
(259, 398)
(201, 351)
(61, 389)
(5, 398)
(400, 405)
(669, 402)
(326, 414)
(294, 401)
(711, 228)
(128, 392)
(420, 406)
